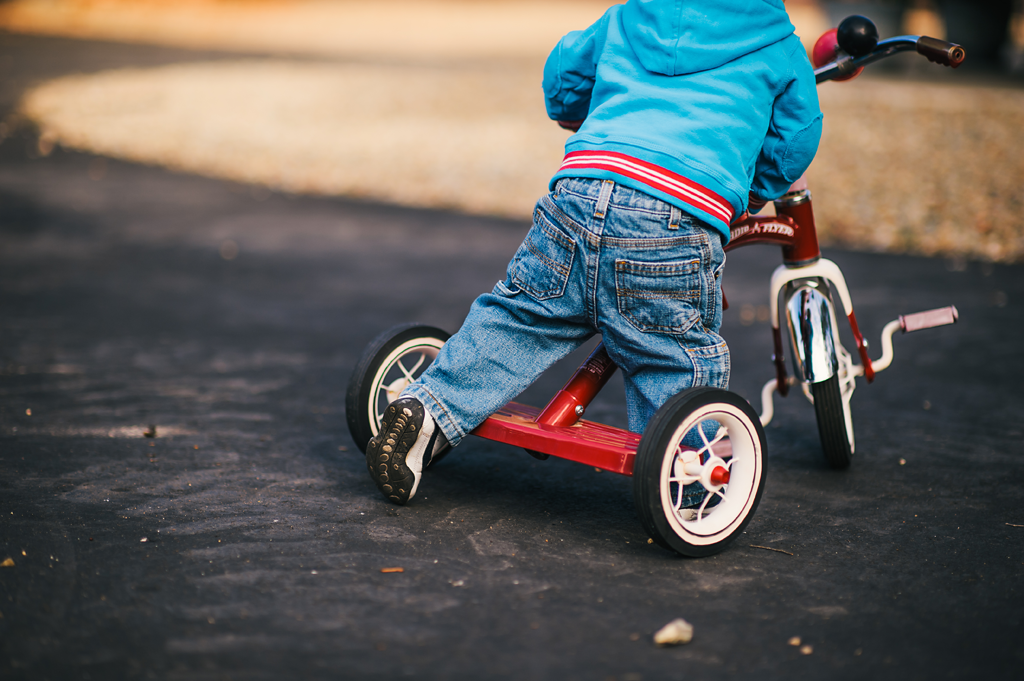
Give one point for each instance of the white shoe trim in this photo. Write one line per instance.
(418, 452)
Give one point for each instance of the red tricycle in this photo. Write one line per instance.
(730, 463)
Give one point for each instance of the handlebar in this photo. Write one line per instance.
(928, 319)
(939, 51)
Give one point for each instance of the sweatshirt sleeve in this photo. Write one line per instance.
(569, 75)
(793, 134)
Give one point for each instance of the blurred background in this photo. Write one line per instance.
(437, 103)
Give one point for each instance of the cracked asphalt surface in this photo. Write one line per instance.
(245, 540)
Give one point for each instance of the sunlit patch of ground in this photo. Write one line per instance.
(904, 167)
(476, 140)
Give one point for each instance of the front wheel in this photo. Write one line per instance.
(707, 436)
(391, 361)
(835, 427)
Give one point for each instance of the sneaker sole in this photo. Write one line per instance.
(385, 453)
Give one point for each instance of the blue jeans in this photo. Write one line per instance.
(600, 258)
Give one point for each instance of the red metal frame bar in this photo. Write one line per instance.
(804, 246)
(792, 228)
(862, 348)
(779, 230)
(587, 442)
(569, 403)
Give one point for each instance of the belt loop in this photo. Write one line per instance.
(677, 215)
(603, 198)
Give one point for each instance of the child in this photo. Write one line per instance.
(684, 110)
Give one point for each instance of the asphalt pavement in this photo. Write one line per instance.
(245, 540)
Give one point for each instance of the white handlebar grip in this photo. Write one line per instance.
(926, 320)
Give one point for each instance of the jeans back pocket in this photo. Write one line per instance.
(542, 264)
(659, 297)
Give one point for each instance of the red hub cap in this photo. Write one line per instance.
(720, 476)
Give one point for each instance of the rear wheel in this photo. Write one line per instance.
(835, 427)
(707, 436)
(391, 361)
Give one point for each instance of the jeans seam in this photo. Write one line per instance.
(652, 242)
(657, 268)
(561, 271)
(592, 283)
(563, 219)
(558, 268)
(540, 219)
(698, 370)
(568, 223)
(652, 295)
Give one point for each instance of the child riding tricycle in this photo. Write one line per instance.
(686, 122)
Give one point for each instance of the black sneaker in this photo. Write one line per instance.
(404, 446)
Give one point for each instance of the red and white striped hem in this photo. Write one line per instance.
(653, 176)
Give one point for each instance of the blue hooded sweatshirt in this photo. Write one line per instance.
(702, 103)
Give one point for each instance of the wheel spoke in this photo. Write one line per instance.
(679, 481)
(399, 384)
(409, 372)
(707, 445)
(679, 497)
(703, 437)
(703, 505)
(382, 389)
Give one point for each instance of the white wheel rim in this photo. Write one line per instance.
(401, 367)
(712, 524)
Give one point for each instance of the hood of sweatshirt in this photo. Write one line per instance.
(664, 33)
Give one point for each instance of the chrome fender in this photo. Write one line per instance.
(810, 320)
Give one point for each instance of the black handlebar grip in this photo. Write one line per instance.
(941, 52)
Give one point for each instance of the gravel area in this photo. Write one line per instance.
(922, 168)
(905, 166)
(473, 139)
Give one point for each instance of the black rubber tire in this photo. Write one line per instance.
(828, 409)
(366, 377)
(653, 490)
